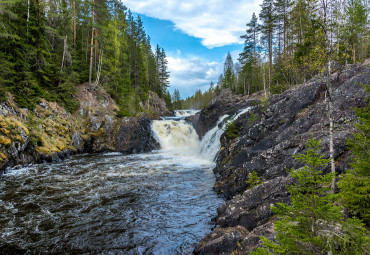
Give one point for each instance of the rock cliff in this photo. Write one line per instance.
(269, 135)
(49, 133)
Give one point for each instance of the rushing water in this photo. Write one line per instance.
(154, 203)
(185, 113)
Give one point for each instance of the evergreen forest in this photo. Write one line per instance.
(47, 48)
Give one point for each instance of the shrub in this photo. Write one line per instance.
(231, 131)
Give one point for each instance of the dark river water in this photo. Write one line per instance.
(155, 203)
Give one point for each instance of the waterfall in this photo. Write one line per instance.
(210, 144)
(185, 113)
(178, 136)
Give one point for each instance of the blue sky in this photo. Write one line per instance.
(196, 35)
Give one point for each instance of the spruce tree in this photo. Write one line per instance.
(249, 57)
(355, 184)
(267, 16)
(229, 75)
(314, 223)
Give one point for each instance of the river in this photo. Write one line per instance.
(155, 203)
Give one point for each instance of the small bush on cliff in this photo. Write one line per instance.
(231, 131)
(252, 118)
(253, 180)
(264, 104)
(314, 223)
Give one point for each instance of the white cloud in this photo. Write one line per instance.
(189, 75)
(216, 22)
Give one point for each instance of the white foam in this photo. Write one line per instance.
(210, 144)
(179, 140)
(242, 111)
(185, 113)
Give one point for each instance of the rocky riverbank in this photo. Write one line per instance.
(268, 136)
(49, 133)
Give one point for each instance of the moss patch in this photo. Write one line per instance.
(3, 156)
(5, 141)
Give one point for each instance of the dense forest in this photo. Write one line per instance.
(289, 42)
(49, 47)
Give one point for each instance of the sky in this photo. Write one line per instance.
(196, 36)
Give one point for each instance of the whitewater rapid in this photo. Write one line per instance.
(178, 137)
(109, 203)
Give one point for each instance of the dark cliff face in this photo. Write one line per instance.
(269, 135)
(135, 136)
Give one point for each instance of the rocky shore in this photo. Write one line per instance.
(268, 136)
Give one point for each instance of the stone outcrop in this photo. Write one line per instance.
(135, 136)
(156, 105)
(269, 135)
(50, 134)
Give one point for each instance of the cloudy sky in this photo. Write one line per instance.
(196, 35)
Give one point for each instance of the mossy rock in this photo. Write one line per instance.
(5, 141)
(3, 156)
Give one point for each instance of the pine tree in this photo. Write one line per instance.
(355, 26)
(249, 57)
(268, 17)
(250, 41)
(176, 99)
(229, 75)
(163, 74)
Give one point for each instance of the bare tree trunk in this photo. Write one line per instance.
(28, 13)
(264, 79)
(64, 52)
(91, 45)
(96, 44)
(244, 87)
(99, 70)
(270, 56)
(354, 53)
(74, 24)
(284, 42)
(331, 125)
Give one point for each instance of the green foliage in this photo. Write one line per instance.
(294, 41)
(314, 223)
(264, 103)
(200, 100)
(253, 180)
(355, 184)
(229, 79)
(231, 131)
(45, 52)
(252, 118)
(3, 96)
(176, 99)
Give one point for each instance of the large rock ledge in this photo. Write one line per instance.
(244, 218)
(269, 135)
